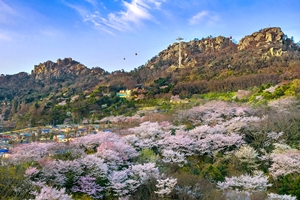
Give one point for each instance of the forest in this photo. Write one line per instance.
(213, 150)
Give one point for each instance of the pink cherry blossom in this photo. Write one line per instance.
(87, 185)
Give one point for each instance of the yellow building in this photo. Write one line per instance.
(124, 93)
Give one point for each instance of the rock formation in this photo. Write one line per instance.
(265, 43)
(61, 68)
(189, 50)
(268, 42)
(262, 38)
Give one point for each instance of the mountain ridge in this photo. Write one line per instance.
(207, 65)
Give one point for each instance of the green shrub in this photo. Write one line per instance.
(289, 184)
(278, 92)
(13, 184)
(147, 155)
(211, 172)
(294, 88)
(267, 95)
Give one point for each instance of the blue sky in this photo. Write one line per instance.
(103, 33)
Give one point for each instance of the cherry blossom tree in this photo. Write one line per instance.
(200, 132)
(94, 166)
(165, 186)
(189, 192)
(87, 185)
(116, 153)
(121, 118)
(30, 152)
(35, 151)
(240, 123)
(47, 192)
(237, 195)
(147, 133)
(31, 172)
(121, 184)
(285, 163)
(272, 196)
(247, 157)
(272, 138)
(180, 142)
(218, 142)
(257, 182)
(92, 141)
(213, 112)
(148, 130)
(282, 148)
(106, 163)
(170, 156)
(125, 182)
(58, 172)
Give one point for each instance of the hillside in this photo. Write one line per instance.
(224, 125)
(55, 91)
(217, 64)
(229, 151)
(267, 52)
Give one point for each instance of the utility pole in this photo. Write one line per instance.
(179, 56)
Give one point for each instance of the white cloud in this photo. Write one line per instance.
(132, 15)
(5, 12)
(5, 8)
(92, 2)
(205, 17)
(198, 17)
(80, 9)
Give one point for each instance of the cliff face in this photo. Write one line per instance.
(264, 44)
(268, 42)
(189, 50)
(262, 38)
(61, 68)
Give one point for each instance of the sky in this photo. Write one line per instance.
(125, 34)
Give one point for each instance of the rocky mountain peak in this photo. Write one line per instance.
(61, 67)
(262, 38)
(189, 50)
(268, 42)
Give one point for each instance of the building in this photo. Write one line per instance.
(124, 94)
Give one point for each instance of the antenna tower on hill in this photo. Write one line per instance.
(179, 56)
